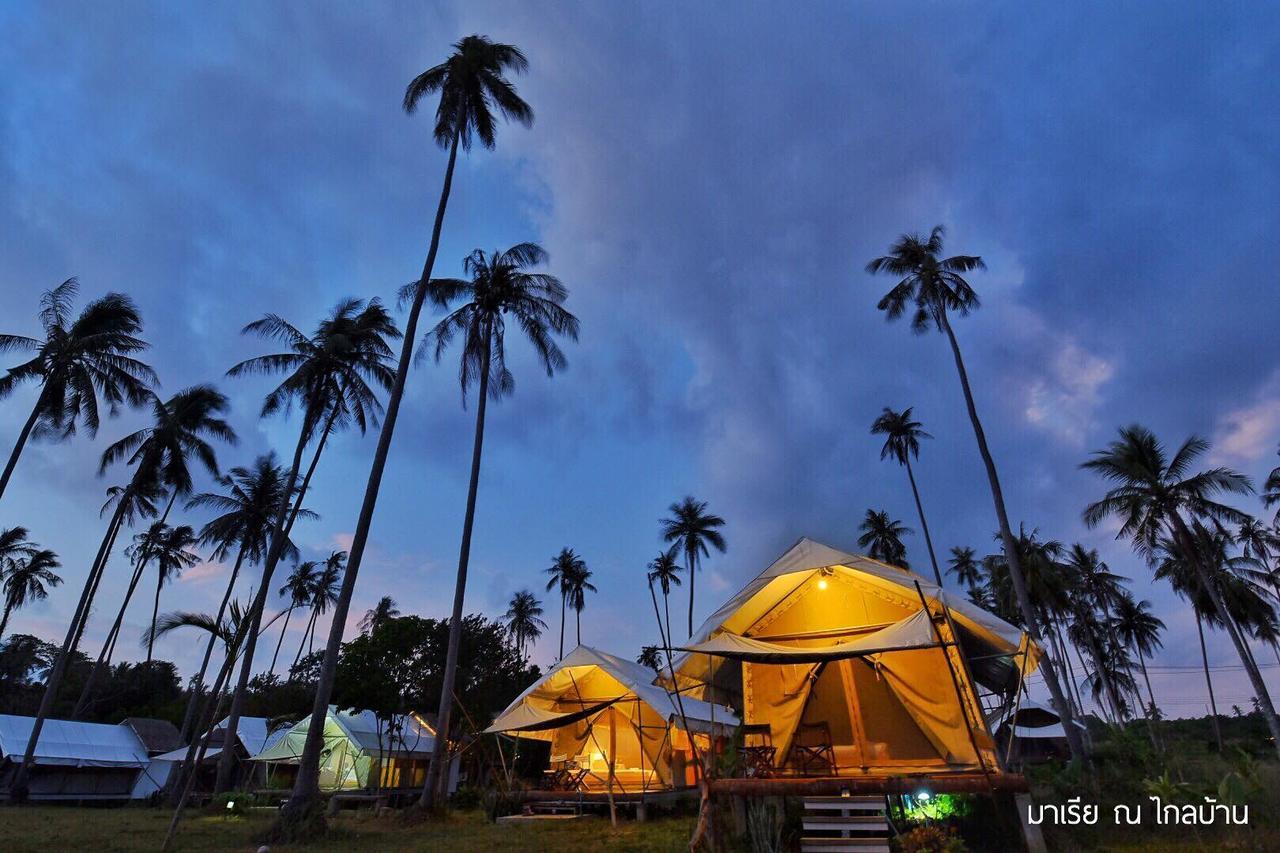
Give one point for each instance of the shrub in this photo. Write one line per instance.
(931, 839)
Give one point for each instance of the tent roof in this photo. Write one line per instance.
(414, 738)
(913, 632)
(252, 732)
(633, 679)
(69, 743)
(156, 735)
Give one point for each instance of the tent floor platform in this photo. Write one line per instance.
(938, 783)
(602, 797)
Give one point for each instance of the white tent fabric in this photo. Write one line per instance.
(531, 711)
(913, 632)
(409, 737)
(69, 743)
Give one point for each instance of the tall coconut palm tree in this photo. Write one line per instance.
(933, 287)
(384, 611)
(563, 568)
(297, 590)
(1271, 491)
(473, 90)
(167, 547)
(1139, 629)
(242, 527)
(1099, 589)
(1261, 543)
(650, 657)
(694, 531)
(965, 566)
(1155, 495)
(332, 376)
(882, 537)
(161, 455)
(580, 586)
(26, 572)
(500, 289)
(902, 442)
(326, 581)
(665, 571)
(523, 618)
(74, 362)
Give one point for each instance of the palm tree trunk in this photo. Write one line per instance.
(108, 644)
(666, 606)
(301, 806)
(4, 620)
(253, 618)
(1142, 662)
(1208, 680)
(198, 683)
(692, 560)
(21, 443)
(563, 603)
(18, 790)
(438, 771)
(1019, 580)
(306, 633)
(662, 635)
(924, 525)
(280, 642)
(155, 614)
(1183, 537)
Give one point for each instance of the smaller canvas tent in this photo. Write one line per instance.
(1031, 732)
(867, 666)
(604, 715)
(76, 760)
(361, 752)
(253, 735)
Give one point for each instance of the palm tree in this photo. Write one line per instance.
(1152, 492)
(26, 572)
(253, 499)
(500, 289)
(1098, 590)
(694, 531)
(902, 441)
(932, 287)
(1271, 491)
(74, 362)
(1260, 542)
(563, 568)
(223, 630)
(964, 565)
(523, 618)
(297, 589)
(650, 658)
(381, 612)
(167, 546)
(322, 594)
(161, 453)
(1139, 629)
(331, 376)
(882, 537)
(666, 572)
(580, 585)
(471, 84)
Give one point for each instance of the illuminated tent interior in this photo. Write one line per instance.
(839, 669)
(610, 727)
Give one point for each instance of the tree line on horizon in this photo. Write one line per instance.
(348, 375)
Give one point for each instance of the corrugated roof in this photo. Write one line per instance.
(69, 743)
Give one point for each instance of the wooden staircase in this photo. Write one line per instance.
(845, 825)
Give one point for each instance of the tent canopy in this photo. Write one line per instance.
(69, 743)
(832, 647)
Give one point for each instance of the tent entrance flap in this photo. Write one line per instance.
(913, 632)
(528, 718)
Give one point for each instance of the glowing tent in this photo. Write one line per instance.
(611, 726)
(844, 665)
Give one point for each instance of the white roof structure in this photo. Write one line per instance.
(68, 743)
(538, 709)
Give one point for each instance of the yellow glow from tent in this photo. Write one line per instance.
(822, 583)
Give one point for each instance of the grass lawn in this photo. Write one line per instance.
(50, 829)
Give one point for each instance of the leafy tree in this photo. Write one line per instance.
(74, 362)
(902, 442)
(472, 88)
(694, 530)
(882, 537)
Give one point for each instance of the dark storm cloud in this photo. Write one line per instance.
(710, 186)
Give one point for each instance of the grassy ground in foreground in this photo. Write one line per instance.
(46, 829)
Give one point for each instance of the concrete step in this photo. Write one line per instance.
(844, 845)
(832, 822)
(843, 804)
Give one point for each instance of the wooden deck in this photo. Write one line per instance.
(966, 782)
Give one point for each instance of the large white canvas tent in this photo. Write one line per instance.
(360, 752)
(605, 716)
(873, 662)
(79, 761)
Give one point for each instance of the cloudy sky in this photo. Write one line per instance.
(710, 187)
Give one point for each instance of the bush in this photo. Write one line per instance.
(235, 803)
(933, 838)
(466, 797)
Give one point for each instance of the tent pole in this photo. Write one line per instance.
(1017, 699)
(955, 637)
(955, 682)
(613, 758)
